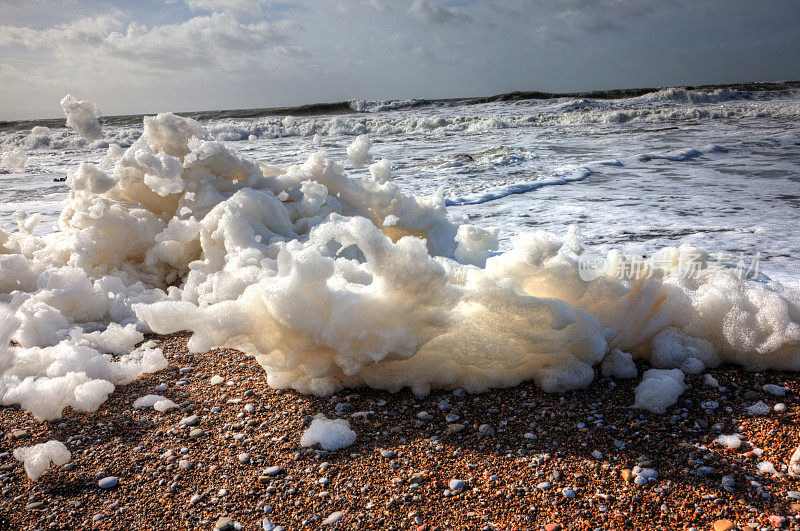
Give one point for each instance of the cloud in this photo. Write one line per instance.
(235, 7)
(598, 16)
(87, 31)
(545, 35)
(429, 12)
(218, 40)
(232, 53)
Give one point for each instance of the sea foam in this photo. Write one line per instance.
(335, 281)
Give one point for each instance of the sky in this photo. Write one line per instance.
(182, 55)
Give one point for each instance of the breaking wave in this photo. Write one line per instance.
(385, 105)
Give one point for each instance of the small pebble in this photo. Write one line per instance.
(108, 482)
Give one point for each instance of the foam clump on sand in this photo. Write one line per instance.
(330, 434)
(659, 389)
(334, 281)
(732, 442)
(45, 380)
(38, 458)
(82, 116)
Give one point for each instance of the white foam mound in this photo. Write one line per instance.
(14, 160)
(329, 434)
(618, 364)
(358, 151)
(732, 442)
(333, 281)
(82, 116)
(38, 458)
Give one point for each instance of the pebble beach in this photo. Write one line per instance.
(229, 456)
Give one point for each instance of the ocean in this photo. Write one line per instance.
(422, 244)
(715, 167)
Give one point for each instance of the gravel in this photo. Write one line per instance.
(365, 489)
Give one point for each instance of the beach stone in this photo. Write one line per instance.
(794, 464)
(456, 484)
(388, 454)
(224, 523)
(191, 420)
(244, 457)
(33, 506)
(17, 434)
(758, 409)
(273, 471)
(185, 464)
(486, 430)
(333, 518)
(196, 432)
(776, 521)
(108, 482)
(723, 525)
(568, 493)
(627, 475)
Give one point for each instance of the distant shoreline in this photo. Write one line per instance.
(346, 107)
